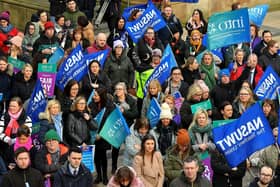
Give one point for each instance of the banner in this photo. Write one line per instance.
(56, 56)
(241, 138)
(37, 103)
(127, 11)
(217, 123)
(266, 87)
(72, 68)
(17, 64)
(88, 157)
(115, 129)
(163, 70)
(153, 112)
(206, 105)
(47, 74)
(151, 17)
(206, 160)
(228, 28)
(257, 14)
(99, 56)
(98, 119)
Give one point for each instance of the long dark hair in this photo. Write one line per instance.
(68, 87)
(142, 150)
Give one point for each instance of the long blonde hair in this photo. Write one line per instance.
(49, 105)
(198, 112)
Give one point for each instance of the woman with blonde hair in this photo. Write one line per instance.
(243, 101)
(200, 132)
(51, 119)
(154, 91)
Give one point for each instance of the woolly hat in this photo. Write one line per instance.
(165, 111)
(17, 41)
(224, 72)
(156, 52)
(5, 15)
(183, 137)
(203, 86)
(49, 25)
(117, 43)
(51, 135)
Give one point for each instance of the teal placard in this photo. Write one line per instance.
(17, 64)
(48, 68)
(206, 105)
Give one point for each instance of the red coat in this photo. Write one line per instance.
(6, 36)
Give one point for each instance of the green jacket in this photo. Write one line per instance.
(73, 17)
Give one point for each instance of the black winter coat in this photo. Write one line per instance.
(131, 113)
(77, 129)
(64, 178)
(220, 167)
(95, 109)
(190, 76)
(22, 88)
(101, 79)
(221, 93)
(268, 59)
(18, 177)
(186, 113)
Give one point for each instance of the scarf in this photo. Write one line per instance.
(57, 124)
(28, 145)
(196, 44)
(13, 124)
(7, 29)
(197, 129)
(209, 70)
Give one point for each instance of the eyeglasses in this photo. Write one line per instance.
(266, 175)
(81, 103)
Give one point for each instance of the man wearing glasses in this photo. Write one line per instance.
(264, 179)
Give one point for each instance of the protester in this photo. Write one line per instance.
(118, 66)
(209, 71)
(165, 130)
(237, 65)
(265, 178)
(270, 57)
(78, 38)
(178, 47)
(79, 123)
(242, 102)
(138, 130)
(7, 31)
(200, 132)
(156, 57)
(175, 83)
(101, 100)
(228, 52)
(23, 139)
(11, 120)
(224, 90)
(224, 175)
(73, 173)
(52, 156)
(255, 39)
(194, 44)
(30, 36)
(148, 163)
(190, 70)
(125, 177)
(43, 16)
(6, 72)
(172, 22)
(266, 37)
(196, 22)
(194, 96)
(72, 12)
(23, 174)
(23, 83)
(51, 119)
(87, 28)
(100, 44)
(154, 91)
(224, 112)
(190, 176)
(270, 113)
(146, 44)
(95, 78)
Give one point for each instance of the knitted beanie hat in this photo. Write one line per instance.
(5, 16)
(165, 111)
(51, 135)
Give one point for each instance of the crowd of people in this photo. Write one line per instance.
(169, 153)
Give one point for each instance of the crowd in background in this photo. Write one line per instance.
(168, 154)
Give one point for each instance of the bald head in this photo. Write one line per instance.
(101, 40)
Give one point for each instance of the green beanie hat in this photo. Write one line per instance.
(51, 135)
